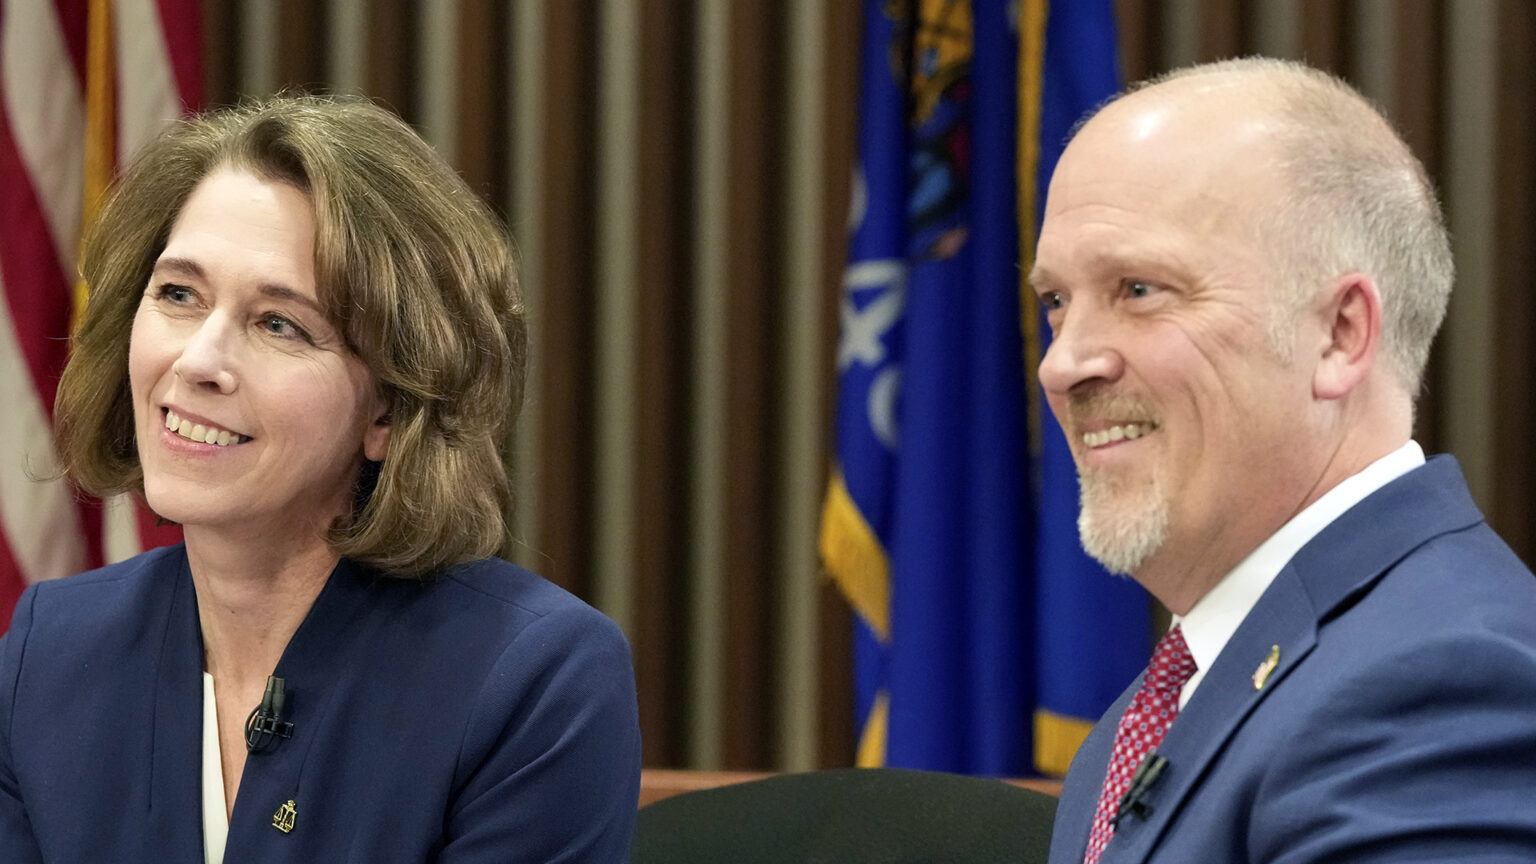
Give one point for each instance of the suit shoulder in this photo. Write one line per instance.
(105, 620)
(513, 591)
(483, 608)
(159, 560)
(98, 596)
(1467, 577)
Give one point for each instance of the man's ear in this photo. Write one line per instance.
(1352, 312)
(376, 438)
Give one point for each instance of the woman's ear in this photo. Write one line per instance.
(376, 438)
(1352, 313)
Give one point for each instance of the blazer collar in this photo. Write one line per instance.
(1337, 566)
(176, 750)
(312, 666)
(317, 654)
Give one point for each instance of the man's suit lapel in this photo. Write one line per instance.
(1323, 579)
(1085, 780)
(1284, 620)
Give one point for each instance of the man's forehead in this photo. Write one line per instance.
(1076, 251)
(1113, 201)
(1184, 115)
(1228, 95)
(1172, 155)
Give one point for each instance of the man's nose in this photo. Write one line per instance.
(207, 358)
(1081, 351)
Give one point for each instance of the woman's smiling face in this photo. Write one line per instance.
(272, 413)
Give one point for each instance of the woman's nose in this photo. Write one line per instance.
(207, 357)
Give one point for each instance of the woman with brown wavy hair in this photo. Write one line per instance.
(305, 345)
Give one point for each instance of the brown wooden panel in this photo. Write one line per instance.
(1222, 25)
(483, 100)
(221, 58)
(753, 264)
(1515, 269)
(838, 741)
(1325, 35)
(842, 27)
(657, 784)
(1140, 23)
(661, 637)
(300, 45)
(1419, 72)
(391, 56)
(567, 278)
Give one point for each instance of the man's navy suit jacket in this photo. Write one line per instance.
(487, 716)
(1398, 725)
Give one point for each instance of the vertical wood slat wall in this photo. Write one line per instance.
(675, 173)
(679, 214)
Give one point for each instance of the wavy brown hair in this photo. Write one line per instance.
(412, 268)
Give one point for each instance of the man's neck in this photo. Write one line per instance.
(1186, 569)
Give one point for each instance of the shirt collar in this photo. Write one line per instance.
(1216, 616)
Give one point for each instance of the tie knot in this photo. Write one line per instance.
(1172, 664)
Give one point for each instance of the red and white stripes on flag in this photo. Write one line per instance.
(83, 84)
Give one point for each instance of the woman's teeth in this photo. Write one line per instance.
(200, 433)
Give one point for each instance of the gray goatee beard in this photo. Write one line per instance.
(1121, 524)
(1121, 520)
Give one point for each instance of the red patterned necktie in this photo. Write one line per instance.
(1142, 727)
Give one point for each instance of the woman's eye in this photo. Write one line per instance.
(1051, 300)
(279, 326)
(174, 293)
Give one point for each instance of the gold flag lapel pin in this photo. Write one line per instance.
(1261, 674)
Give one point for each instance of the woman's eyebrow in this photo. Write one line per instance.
(274, 290)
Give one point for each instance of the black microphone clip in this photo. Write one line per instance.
(265, 725)
(1147, 773)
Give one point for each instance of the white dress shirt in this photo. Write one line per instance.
(215, 819)
(1216, 616)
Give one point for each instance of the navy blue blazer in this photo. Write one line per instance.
(1398, 725)
(487, 716)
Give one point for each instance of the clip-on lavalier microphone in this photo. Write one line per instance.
(265, 725)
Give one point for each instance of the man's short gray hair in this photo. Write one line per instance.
(1357, 200)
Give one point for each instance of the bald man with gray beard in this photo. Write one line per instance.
(1244, 266)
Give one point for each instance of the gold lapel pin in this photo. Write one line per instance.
(282, 820)
(1261, 674)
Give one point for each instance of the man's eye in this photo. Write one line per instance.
(1139, 289)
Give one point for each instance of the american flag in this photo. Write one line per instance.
(83, 83)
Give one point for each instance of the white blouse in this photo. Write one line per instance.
(215, 820)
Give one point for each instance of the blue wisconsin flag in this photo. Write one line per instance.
(987, 643)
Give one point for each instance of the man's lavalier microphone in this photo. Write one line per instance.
(265, 725)
(1147, 773)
